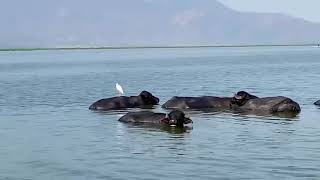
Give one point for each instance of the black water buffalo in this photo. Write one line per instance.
(145, 99)
(204, 102)
(267, 104)
(175, 118)
(317, 103)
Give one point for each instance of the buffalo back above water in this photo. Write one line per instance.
(144, 99)
(204, 102)
(272, 105)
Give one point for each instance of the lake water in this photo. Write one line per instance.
(47, 131)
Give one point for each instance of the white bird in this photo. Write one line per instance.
(119, 89)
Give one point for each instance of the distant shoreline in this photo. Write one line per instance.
(158, 47)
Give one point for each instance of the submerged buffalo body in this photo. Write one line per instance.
(242, 101)
(317, 103)
(144, 99)
(175, 118)
(268, 105)
(205, 102)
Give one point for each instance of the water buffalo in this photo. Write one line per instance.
(204, 102)
(317, 103)
(144, 99)
(175, 118)
(267, 104)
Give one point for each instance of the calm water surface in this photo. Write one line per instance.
(47, 131)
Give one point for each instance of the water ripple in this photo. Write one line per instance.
(48, 132)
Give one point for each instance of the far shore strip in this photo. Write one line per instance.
(160, 47)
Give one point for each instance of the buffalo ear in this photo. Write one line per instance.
(233, 101)
(239, 97)
(145, 94)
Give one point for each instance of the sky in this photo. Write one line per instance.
(307, 9)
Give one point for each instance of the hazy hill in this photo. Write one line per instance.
(40, 23)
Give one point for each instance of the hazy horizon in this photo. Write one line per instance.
(37, 23)
(296, 8)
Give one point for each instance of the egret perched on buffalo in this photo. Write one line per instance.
(119, 89)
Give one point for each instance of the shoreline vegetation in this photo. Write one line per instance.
(158, 47)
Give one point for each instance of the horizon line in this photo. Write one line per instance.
(159, 47)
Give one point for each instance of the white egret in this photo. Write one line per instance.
(119, 89)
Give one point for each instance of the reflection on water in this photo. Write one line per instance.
(47, 131)
(277, 116)
(164, 128)
(258, 114)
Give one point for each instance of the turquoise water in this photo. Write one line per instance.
(47, 131)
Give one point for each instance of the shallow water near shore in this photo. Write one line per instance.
(47, 131)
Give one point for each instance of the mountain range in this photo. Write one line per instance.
(76, 23)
